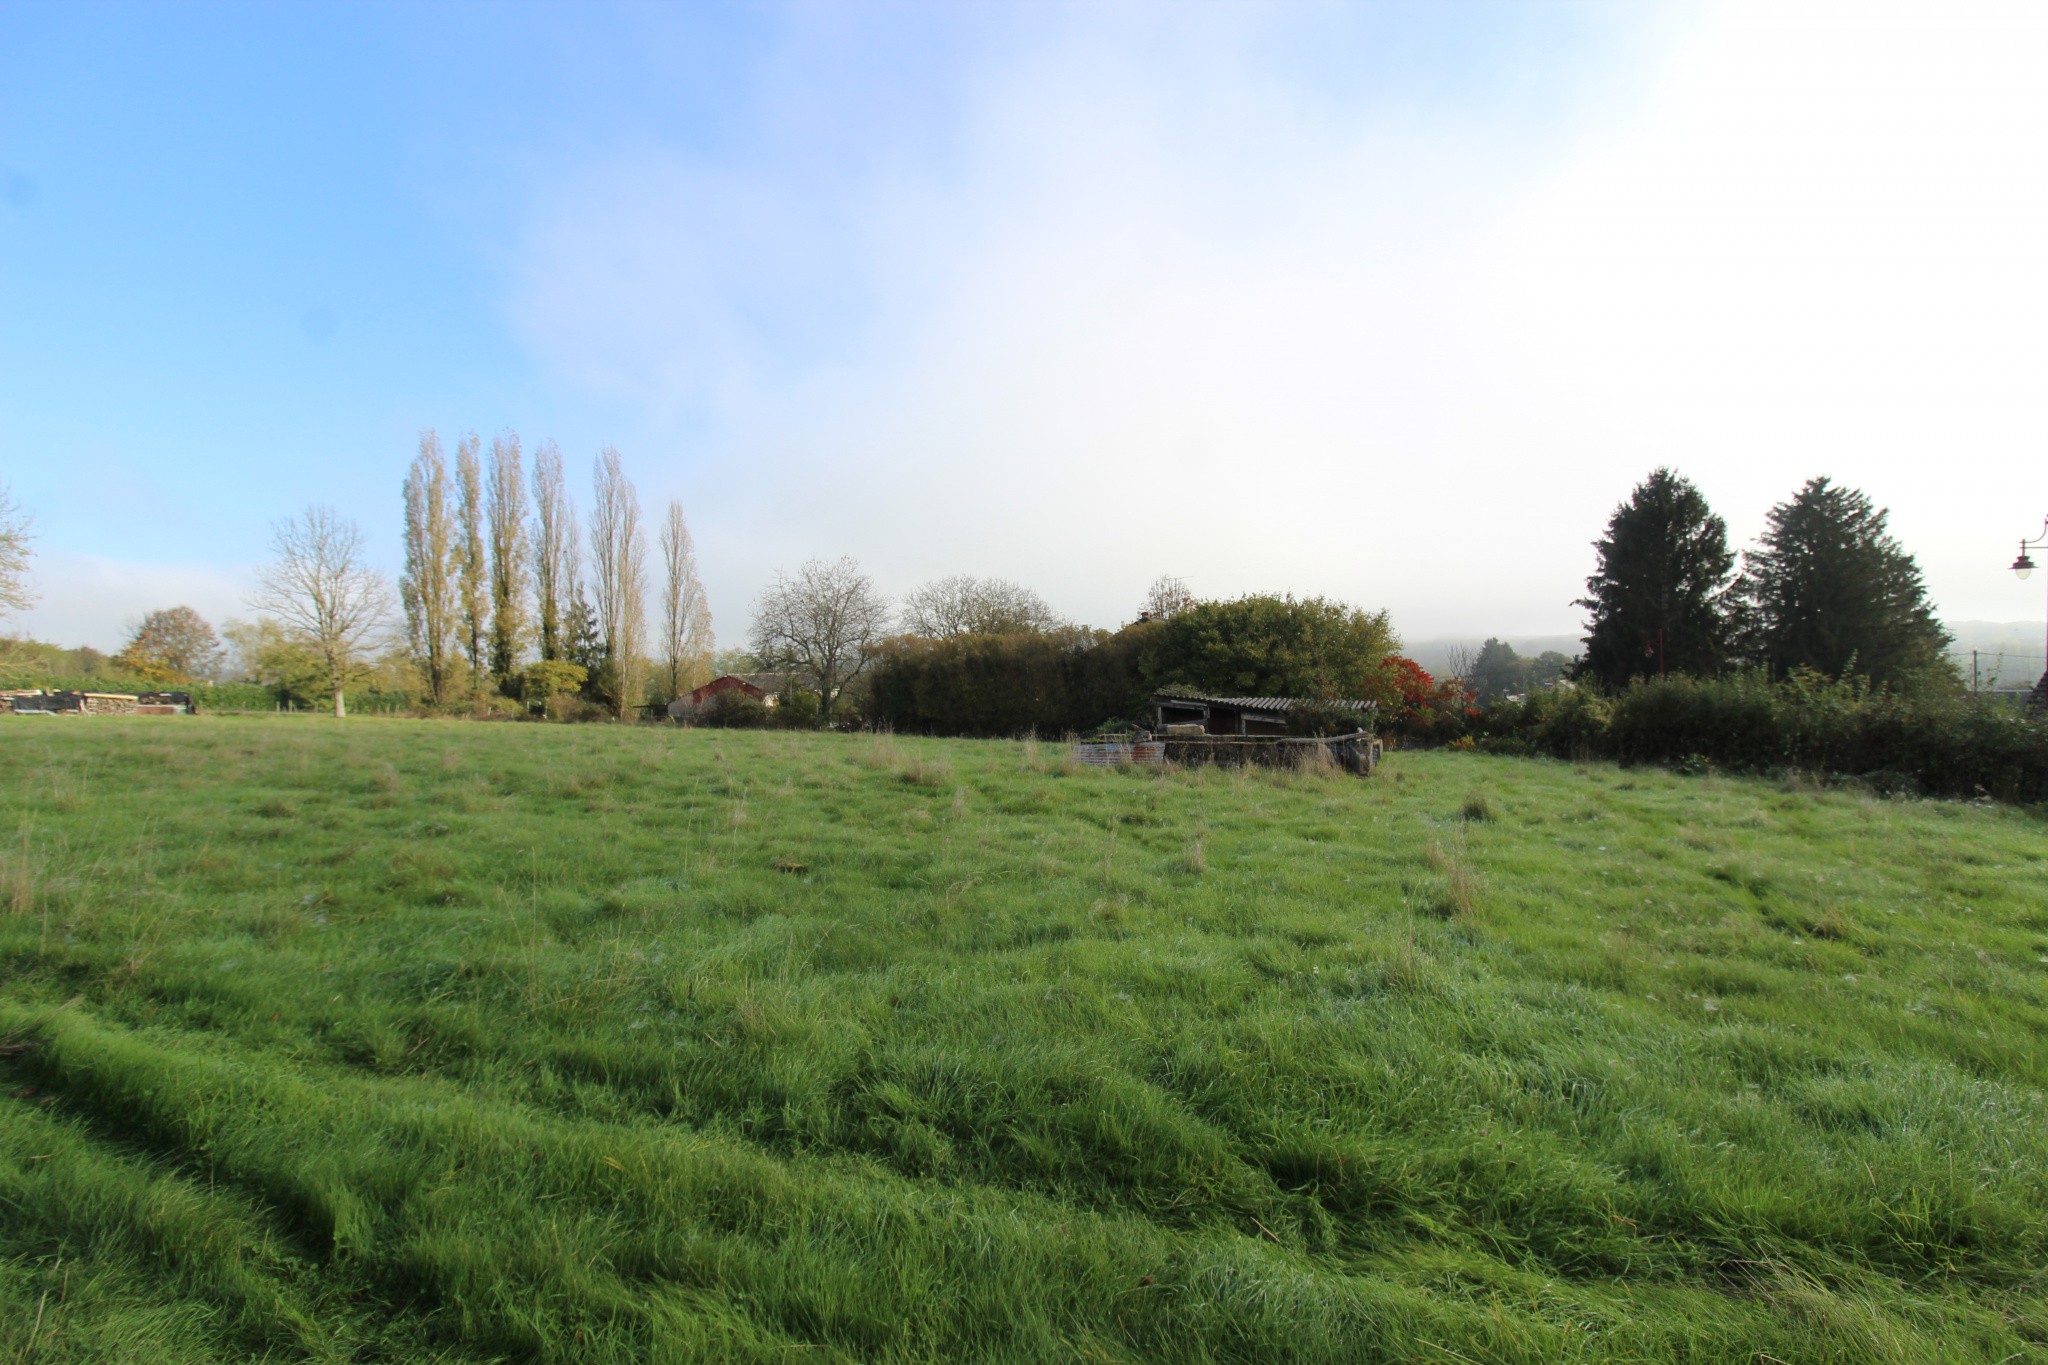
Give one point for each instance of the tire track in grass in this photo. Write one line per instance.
(551, 1240)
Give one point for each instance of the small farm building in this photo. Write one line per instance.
(1242, 715)
(765, 688)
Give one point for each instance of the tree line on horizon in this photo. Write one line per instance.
(510, 593)
(495, 598)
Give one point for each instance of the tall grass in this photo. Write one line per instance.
(1456, 892)
(333, 1048)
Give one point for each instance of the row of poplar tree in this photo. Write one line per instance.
(1825, 588)
(500, 598)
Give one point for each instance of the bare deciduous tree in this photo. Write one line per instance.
(428, 588)
(965, 605)
(821, 625)
(505, 499)
(1167, 595)
(14, 553)
(325, 594)
(685, 615)
(554, 551)
(472, 567)
(618, 555)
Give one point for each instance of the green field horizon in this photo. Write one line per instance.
(404, 1040)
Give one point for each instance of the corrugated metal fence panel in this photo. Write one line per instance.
(1113, 753)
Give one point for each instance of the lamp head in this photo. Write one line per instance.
(2023, 566)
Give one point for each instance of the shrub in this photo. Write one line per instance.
(1738, 721)
(1321, 716)
(733, 710)
(493, 706)
(538, 682)
(570, 707)
(798, 710)
(235, 696)
(1414, 705)
(1563, 722)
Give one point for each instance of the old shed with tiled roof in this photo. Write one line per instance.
(1244, 715)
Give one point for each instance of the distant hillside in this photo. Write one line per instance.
(2006, 652)
(2011, 649)
(2020, 637)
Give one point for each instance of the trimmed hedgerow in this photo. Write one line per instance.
(1005, 685)
(230, 696)
(1939, 744)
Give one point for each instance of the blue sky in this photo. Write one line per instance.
(1297, 297)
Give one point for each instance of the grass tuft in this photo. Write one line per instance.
(926, 770)
(18, 876)
(1314, 760)
(882, 750)
(1457, 888)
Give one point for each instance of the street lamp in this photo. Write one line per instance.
(2022, 568)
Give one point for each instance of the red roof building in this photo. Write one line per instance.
(765, 688)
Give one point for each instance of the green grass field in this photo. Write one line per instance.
(397, 1040)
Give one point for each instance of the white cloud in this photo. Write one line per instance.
(1820, 253)
(1159, 309)
(90, 600)
(1154, 318)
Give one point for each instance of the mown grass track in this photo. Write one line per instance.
(406, 1040)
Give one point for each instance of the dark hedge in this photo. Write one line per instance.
(1943, 744)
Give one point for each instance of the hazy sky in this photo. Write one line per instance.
(1391, 302)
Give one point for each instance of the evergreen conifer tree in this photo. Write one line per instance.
(583, 642)
(1658, 600)
(1829, 589)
